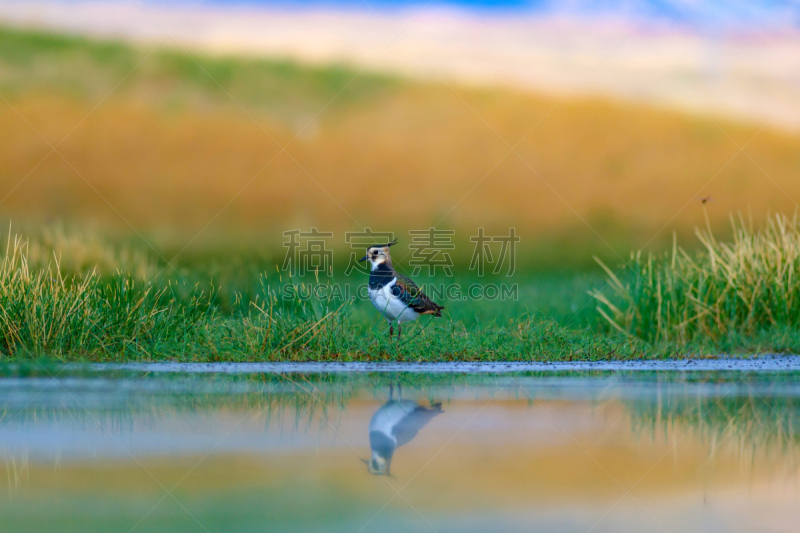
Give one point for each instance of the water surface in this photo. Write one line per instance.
(133, 450)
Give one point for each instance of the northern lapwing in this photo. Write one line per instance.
(394, 424)
(395, 295)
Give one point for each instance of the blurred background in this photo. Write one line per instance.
(197, 133)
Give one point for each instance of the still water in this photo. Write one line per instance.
(132, 451)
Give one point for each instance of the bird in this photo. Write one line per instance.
(394, 424)
(396, 296)
(705, 200)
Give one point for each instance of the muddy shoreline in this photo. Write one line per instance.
(756, 364)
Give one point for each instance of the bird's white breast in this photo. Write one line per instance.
(390, 415)
(390, 305)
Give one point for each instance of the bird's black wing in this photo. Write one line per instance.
(409, 426)
(408, 291)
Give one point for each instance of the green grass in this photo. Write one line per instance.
(739, 297)
(44, 312)
(34, 62)
(726, 295)
(114, 317)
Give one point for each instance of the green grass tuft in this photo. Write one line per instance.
(726, 291)
(44, 312)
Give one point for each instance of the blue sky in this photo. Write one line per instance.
(700, 13)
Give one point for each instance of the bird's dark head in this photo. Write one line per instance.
(379, 254)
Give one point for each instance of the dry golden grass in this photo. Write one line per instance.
(173, 156)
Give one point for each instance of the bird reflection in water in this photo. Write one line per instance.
(394, 424)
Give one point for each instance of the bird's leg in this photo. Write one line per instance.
(391, 392)
(398, 331)
(391, 330)
(399, 391)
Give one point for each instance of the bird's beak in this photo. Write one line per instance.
(362, 259)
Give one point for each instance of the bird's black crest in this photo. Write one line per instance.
(386, 245)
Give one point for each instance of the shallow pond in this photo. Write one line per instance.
(135, 451)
